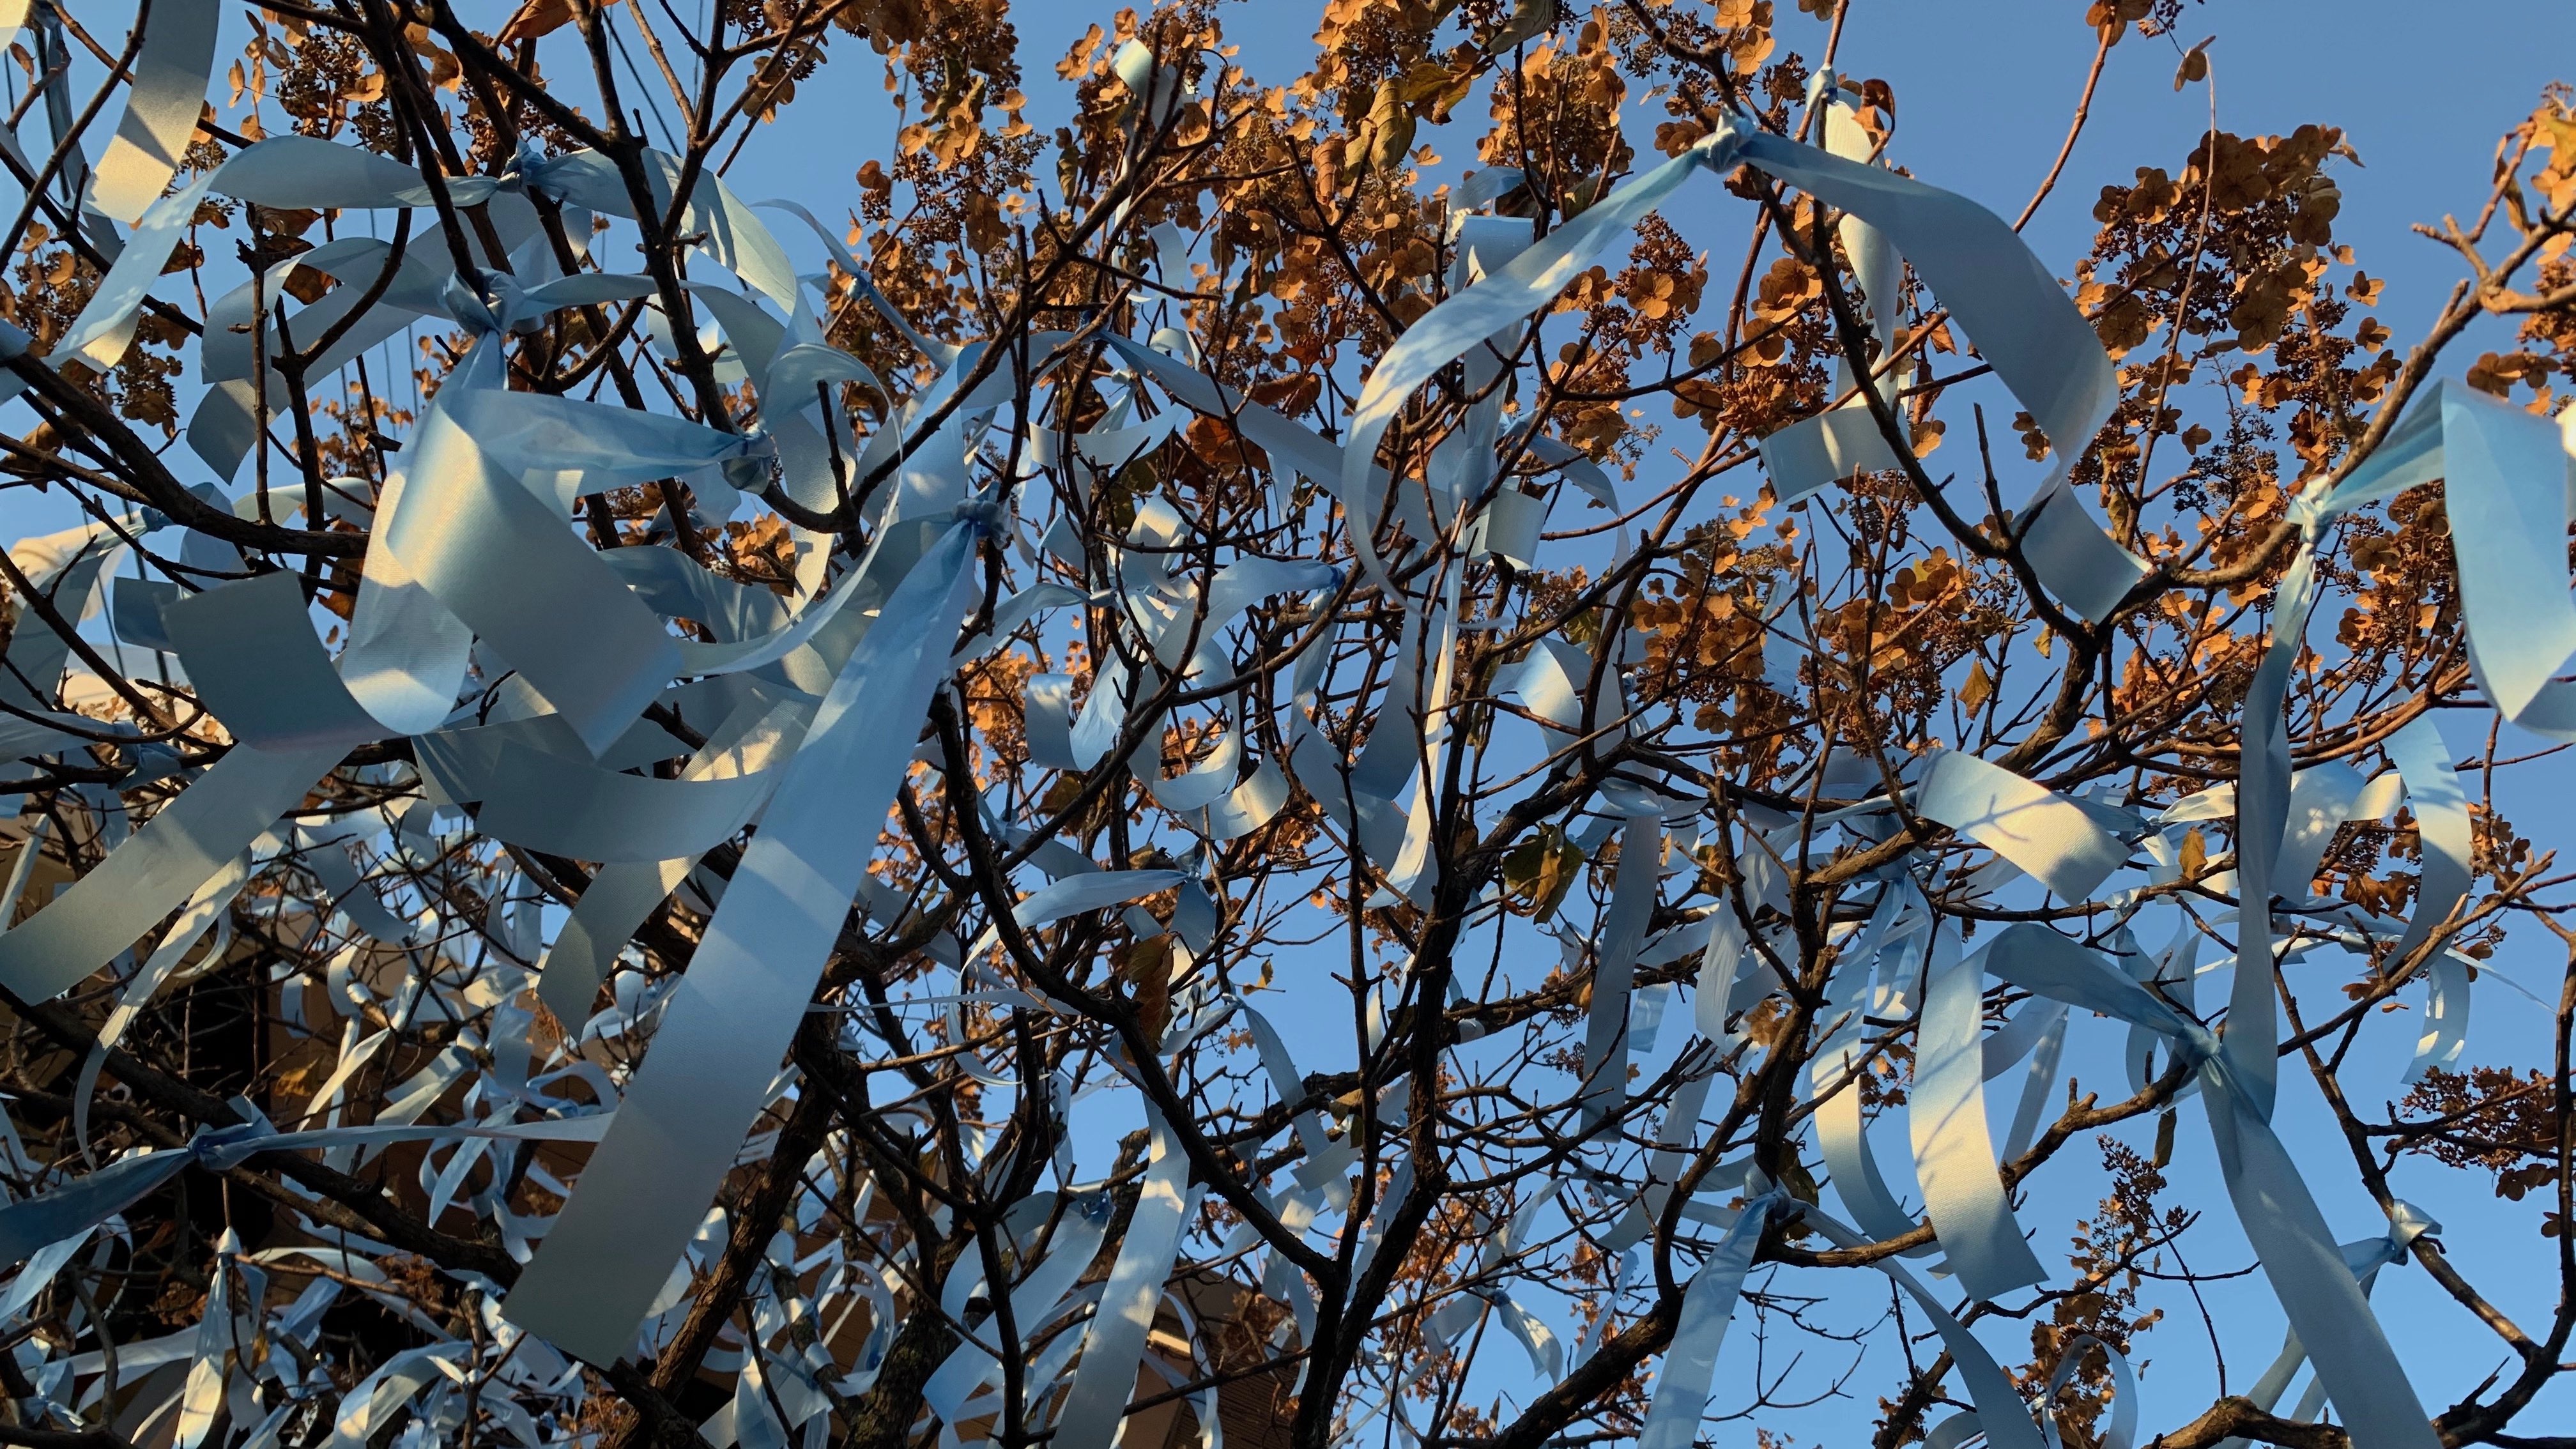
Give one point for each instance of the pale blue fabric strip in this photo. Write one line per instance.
(729, 232)
(1842, 1134)
(158, 868)
(1091, 891)
(311, 174)
(619, 899)
(90, 1200)
(2000, 1410)
(37, 655)
(407, 655)
(2021, 320)
(1036, 1301)
(1724, 962)
(250, 651)
(2409, 457)
(2299, 1258)
(2036, 1087)
(540, 796)
(1288, 1083)
(1049, 725)
(351, 894)
(1115, 1342)
(562, 447)
(2262, 821)
(1623, 930)
(501, 561)
(1837, 443)
(2506, 474)
(2507, 504)
(2017, 1038)
(1954, 1153)
(2442, 824)
(2078, 562)
(105, 326)
(1290, 444)
(1503, 297)
(2026, 823)
(685, 1115)
(2023, 324)
(2322, 798)
(2364, 1257)
(679, 587)
(285, 171)
(1841, 1128)
(2122, 1431)
(2446, 1017)
(942, 353)
(1708, 1306)
(226, 421)
(169, 93)
(579, 810)
(1663, 1169)
(84, 1202)
(2354, 1361)
(13, 18)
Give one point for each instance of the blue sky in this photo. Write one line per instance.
(1984, 91)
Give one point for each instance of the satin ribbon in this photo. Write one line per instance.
(2364, 1258)
(2325, 1307)
(2039, 345)
(2054, 838)
(1845, 439)
(2001, 1414)
(158, 868)
(1115, 1341)
(725, 227)
(1708, 1305)
(87, 1201)
(169, 78)
(695, 1097)
(1954, 1154)
(1623, 930)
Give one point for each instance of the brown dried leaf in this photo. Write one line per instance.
(536, 18)
(2195, 65)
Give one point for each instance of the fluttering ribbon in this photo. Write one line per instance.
(1115, 1340)
(1623, 930)
(474, 551)
(1954, 1152)
(169, 92)
(2362, 1374)
(1708, 1305)
(690, 1105)
(2022, 321)
(2047, 834)
(87, 1201)
(155, 871)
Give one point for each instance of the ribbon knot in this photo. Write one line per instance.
(529, 170)
(487, 303)
(1717, 149)
(2308, 510)
(984, 513)
(221, 1149)
(2406, 1223)
(2195, 1043)
(751, 468)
